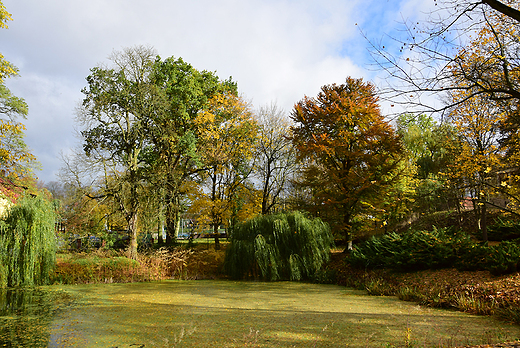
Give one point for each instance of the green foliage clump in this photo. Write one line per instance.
(504, 229)
(27, 243)
(471, 256)
(286, 246)
(504, 258)
(412, 250)
(418, 250)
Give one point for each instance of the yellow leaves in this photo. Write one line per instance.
(6, 69)
(15, 158)
(4, 16)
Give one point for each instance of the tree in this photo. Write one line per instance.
(275, 156)
(15, 157)
(477, 122)
(118, 102)
(428, 151)
(421, 66)
(283, 246)
(349, 151)
(6, 69)
(174, 131)
(228, 137)
(27, 243)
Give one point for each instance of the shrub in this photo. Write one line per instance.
(418, 250)
(286, 246)
(504, 258)
(470, 256)
(504, 229)
(412, 250)
(87, 269)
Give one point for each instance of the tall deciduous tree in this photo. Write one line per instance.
(477, 122)
(349, 151)
(228, 139)
(174, 131)
(428, 150)
(421, 69)
(6, 68)
(275, 156)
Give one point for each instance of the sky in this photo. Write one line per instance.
(278, 51)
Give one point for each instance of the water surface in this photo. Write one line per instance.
(244, 314)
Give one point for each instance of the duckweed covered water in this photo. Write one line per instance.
(238, 314)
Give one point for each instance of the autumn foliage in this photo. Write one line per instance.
(350, 152)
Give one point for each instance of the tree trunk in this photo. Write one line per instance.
(172, 218)
(217, 236)
(160, 240)
(265, 197)
(348, 234)
(482, 222)
(132, 233)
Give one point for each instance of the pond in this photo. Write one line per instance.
(231, 314)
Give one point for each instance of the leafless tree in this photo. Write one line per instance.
(275, 156)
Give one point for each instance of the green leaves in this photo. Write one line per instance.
(27, 243)
(279, 247)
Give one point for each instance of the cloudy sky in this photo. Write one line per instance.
(276, 50)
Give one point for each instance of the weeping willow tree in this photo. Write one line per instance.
(27, 243)
(286, 246)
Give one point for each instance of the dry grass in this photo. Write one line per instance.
(161, 264)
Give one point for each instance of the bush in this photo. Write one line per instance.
(279, 247)
(93, 269)
(504, 258)
(413, 250)
(504, 229)
(471, 256)
(419, 250)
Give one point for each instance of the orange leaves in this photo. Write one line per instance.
(352, 151)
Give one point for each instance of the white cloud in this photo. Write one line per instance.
(277, 50)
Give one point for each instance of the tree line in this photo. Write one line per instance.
(161, 139)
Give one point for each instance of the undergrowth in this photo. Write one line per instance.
(114, 267)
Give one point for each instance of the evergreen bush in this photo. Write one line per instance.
(27, 243)
(471, 256)
(418, 250)
(285, 246)
(504, 229)
(504, 258)
(412, 250)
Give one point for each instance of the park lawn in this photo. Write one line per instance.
(256, 314)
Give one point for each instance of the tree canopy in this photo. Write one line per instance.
(349, 151)
(15, 157)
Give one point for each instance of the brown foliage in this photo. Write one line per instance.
(349, 151)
